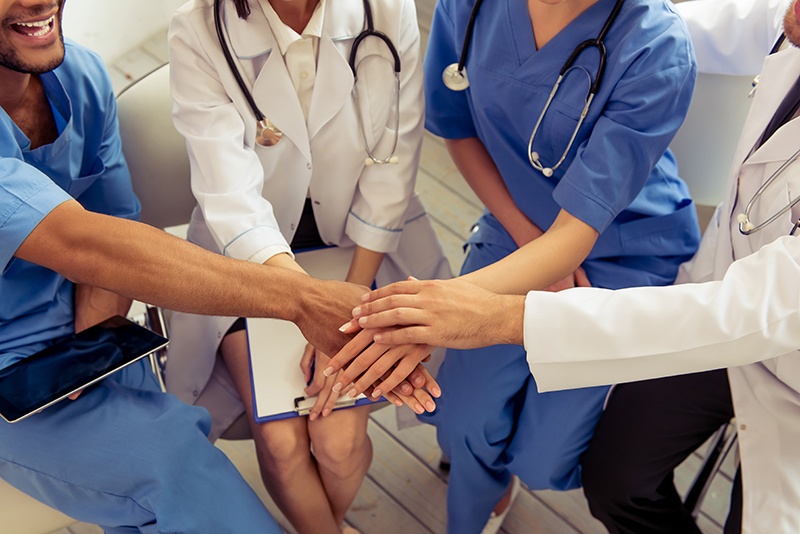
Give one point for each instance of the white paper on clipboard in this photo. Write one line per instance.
(276, 346)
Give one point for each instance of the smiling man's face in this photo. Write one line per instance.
(30, 35)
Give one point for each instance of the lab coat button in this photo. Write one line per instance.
(308, 165)
(304, 75)
(291, 227)
(194, 393)
(742, 427)
(219, 335)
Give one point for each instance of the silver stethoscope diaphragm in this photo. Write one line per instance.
(455, 79)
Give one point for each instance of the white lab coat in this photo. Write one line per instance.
(250, 198)
(725, 313)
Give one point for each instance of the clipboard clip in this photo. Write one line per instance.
(303, 405)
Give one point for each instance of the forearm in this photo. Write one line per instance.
(479, 170)
(541, 262)
(364, 266)
(144, 263)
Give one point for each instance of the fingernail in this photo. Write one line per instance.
(326, 412)
(436, 392)
(397, 402)
(362, 321)
(419, 409)
(312, 416)
(328, 372)
(353, 393)
(413, 279)
(365, 297)
(344, 327)
(378, 338)
(430, 405)
(337, 387)
(376, 393)
(419, 382)
(356, 311)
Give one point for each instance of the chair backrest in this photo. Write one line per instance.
(155, 151)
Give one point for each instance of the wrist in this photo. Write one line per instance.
(510, 319)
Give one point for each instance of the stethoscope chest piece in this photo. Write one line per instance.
(455, 79)
(267, 134)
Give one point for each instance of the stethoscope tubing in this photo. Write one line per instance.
(755, 228)
(232, 64)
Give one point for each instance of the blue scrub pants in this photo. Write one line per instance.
(131, 459)
(492, 423)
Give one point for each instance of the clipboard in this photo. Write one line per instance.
(276, 347)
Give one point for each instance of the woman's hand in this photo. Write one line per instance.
(318, 384)
(383, 368)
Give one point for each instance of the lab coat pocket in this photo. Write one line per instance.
(80, 184)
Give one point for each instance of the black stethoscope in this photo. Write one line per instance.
(455, 78)
(269, 135)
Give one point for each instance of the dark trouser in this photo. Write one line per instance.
(646, 431)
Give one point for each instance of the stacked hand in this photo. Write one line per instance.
(403, 321)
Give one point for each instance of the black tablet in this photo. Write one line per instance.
(72, 364)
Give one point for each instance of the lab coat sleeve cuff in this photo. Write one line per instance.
(252, 241)
(266, 253)
(372, 237)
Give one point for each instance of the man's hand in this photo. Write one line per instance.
(324, 306)
(94, 305)
(577, 278)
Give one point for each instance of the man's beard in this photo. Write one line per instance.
(791, 26)
(10, 59)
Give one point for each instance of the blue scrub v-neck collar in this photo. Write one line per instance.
(585, 26)
(59, 100)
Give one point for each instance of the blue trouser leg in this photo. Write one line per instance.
(491, 422)
(131, 459)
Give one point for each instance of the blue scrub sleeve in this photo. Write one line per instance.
(447, 112)
(26, 197)
(639, 121)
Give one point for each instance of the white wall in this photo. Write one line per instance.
(113, 27)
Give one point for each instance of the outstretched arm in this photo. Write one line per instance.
(141, 262)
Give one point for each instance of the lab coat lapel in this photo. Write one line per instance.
(333, 87)
(334, 77)
(272, 89)
(277, 99)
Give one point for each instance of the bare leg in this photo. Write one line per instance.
(288, 470)
(343, 452)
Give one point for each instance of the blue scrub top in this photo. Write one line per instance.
(84, 163)
(619, 176)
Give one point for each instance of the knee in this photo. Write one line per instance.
(342, 453)
(281, 452)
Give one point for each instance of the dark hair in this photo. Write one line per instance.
(242, 8)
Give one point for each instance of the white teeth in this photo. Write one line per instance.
(37, 24)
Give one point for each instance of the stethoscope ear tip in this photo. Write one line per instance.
(369, 161)
(394, 160)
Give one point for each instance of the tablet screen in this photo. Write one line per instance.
(72, 364)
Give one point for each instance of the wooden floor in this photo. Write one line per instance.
(404, 491)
